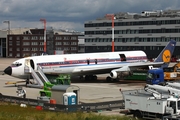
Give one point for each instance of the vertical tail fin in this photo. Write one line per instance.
(166, 53)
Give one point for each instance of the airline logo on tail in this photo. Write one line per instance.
(166, 56)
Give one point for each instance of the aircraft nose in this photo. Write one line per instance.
(8, 70)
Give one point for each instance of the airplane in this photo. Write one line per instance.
(118, 64)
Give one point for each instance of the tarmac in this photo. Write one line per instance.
(90, 91)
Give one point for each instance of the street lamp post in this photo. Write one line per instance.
(8, 22)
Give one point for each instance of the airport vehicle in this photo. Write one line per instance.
(154, 101)
(118, 64)
(173, 84)
(158, 76)
(63, 79)
(138, 75)
(171, 73)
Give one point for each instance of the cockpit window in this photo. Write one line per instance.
(16, 64)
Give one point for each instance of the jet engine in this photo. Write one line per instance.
(121, 72)
(113, 74)
(117, 74)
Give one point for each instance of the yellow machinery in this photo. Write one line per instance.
(172, 72)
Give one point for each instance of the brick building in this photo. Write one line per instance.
(31, 43)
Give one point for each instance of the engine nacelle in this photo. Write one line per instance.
(117, 74)
(113, 74)
(121, 72)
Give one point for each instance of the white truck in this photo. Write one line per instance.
(154, 101)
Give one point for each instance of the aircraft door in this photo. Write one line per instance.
(27, 66)
(88, 61)
(95, 61)
(122, 57)
(32, 63)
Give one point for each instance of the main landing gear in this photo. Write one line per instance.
(109, 79)
(88, 77)
(94, 77)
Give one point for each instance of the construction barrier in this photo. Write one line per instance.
(52, 101)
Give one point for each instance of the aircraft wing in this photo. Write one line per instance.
(109, 68)
(95, 69)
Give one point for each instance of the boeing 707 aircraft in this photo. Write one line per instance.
(118, 64)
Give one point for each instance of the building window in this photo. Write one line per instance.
(41, 49)
(34, 49)
(26, 49)
(66, 43)
(17, 38)
(58, 48)
(41, 37)
(66, 38)
(10, 54)
(73, 43)
(34, 43)
(73, 38)
(26, 43)
(41, 43)
(66, 48)
(73, 48)
(25, 55)
(58, 43)
(17, 49)
(10, 43)
(10, 49)
(26, 38)
(18, 55)
(34, 38)
(10, 38)
(58, 38)
(34, 54)
(17, 42)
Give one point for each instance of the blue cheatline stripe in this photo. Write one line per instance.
(92, 62)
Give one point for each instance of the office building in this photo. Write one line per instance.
(148, 31)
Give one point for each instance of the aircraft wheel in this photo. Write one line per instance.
(94, 77)
(108, 79)
(87, 77)
(43, 94)
(90, 77)
(115, 80)
(81, 77)
(27, 82)
(137, 115)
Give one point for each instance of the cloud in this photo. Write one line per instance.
(72, 14)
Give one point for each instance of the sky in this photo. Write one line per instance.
(71, 14)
